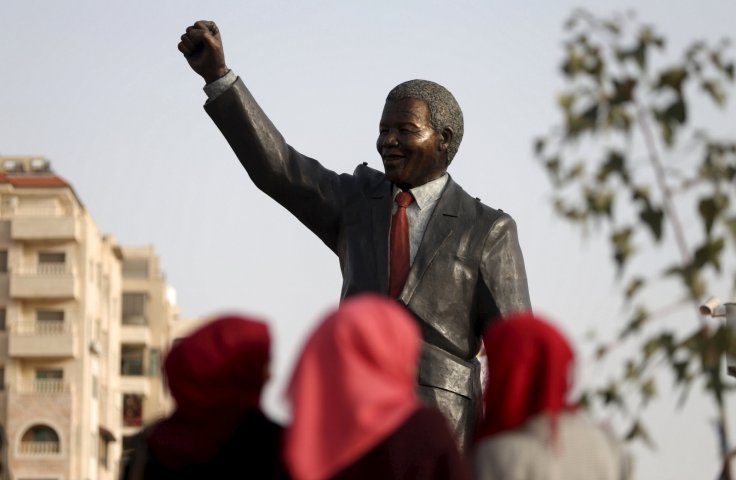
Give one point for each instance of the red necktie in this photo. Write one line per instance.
(399, 246)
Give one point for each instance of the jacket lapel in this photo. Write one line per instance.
(439, 230)
(380, 202)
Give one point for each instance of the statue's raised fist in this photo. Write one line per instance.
(202, 47)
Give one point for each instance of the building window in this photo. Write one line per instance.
(52, 262)
(135, 268)
(49, 321)
(40, 440)
(3, 261)
(132, 410)
(2, 319)
(131, 359)
(134, 308)
(154, 362)
(49, 380)
(51, 257)
(2, 379)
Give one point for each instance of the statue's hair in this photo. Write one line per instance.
(444, 110)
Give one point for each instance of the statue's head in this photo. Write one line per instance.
(420, 132)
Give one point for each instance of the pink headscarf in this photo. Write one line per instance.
(215, 376)
(529, 369)
(354, 385)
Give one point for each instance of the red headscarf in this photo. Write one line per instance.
(353, 386)
(215, 376)
(529, 370)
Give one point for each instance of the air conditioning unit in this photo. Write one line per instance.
(13, 166)
(95, 347)
(40, 165)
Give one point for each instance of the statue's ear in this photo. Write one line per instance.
(447, 135)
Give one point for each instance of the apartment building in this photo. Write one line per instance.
(83, 323)
(149, 314)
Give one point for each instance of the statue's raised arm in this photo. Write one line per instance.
(301, 184)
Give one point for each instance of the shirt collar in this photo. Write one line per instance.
(427, 194)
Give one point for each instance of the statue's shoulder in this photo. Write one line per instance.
(478, 210)
(368, 178)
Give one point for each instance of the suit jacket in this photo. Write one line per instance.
(467, 270)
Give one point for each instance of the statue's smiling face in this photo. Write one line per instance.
(413, 153)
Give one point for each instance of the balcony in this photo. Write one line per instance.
(39, 448)
(44, 281)
(38, 339)
(43, 387)
(44, 224)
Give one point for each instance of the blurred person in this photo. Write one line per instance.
(530, 430)
(356, 414)
(218, 430)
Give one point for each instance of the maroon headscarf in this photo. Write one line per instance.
(353, 386)
(215, 376)
(529, 371)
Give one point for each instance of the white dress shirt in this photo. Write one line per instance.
(420, 210)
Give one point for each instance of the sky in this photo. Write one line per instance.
(101, 90)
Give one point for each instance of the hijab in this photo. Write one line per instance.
(215, 376)
(529, 370)
(353, 386)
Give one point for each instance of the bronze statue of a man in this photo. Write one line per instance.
(462, 261)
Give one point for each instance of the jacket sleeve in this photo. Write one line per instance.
(299, 183)
(502, 267)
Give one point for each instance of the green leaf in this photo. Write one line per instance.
(634, 286)
(640, 193)
(667, 341)
(638, 432)
(648, 390)
(619, 118)
(691, 279)
(675, 112)
(637, 321)
(631, 372)
(599, 202)
(622, 247)
(573, 65)
(710, 209)
(640, 56)
(575, 171)
(715, 91)
(612, 27)
(610, 395)
(652, 218)
(668, 135)
(650, 347)
(728, 70)
(623, 90)
(553, 166)
(566, 101)
(601, 352)
(709, 253)
(615, 164)
(539, 146)
(681, 371)
(672, 78)
(695, 342)
(731, 226)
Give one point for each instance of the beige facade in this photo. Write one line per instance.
(66, 331)
(149, 313)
